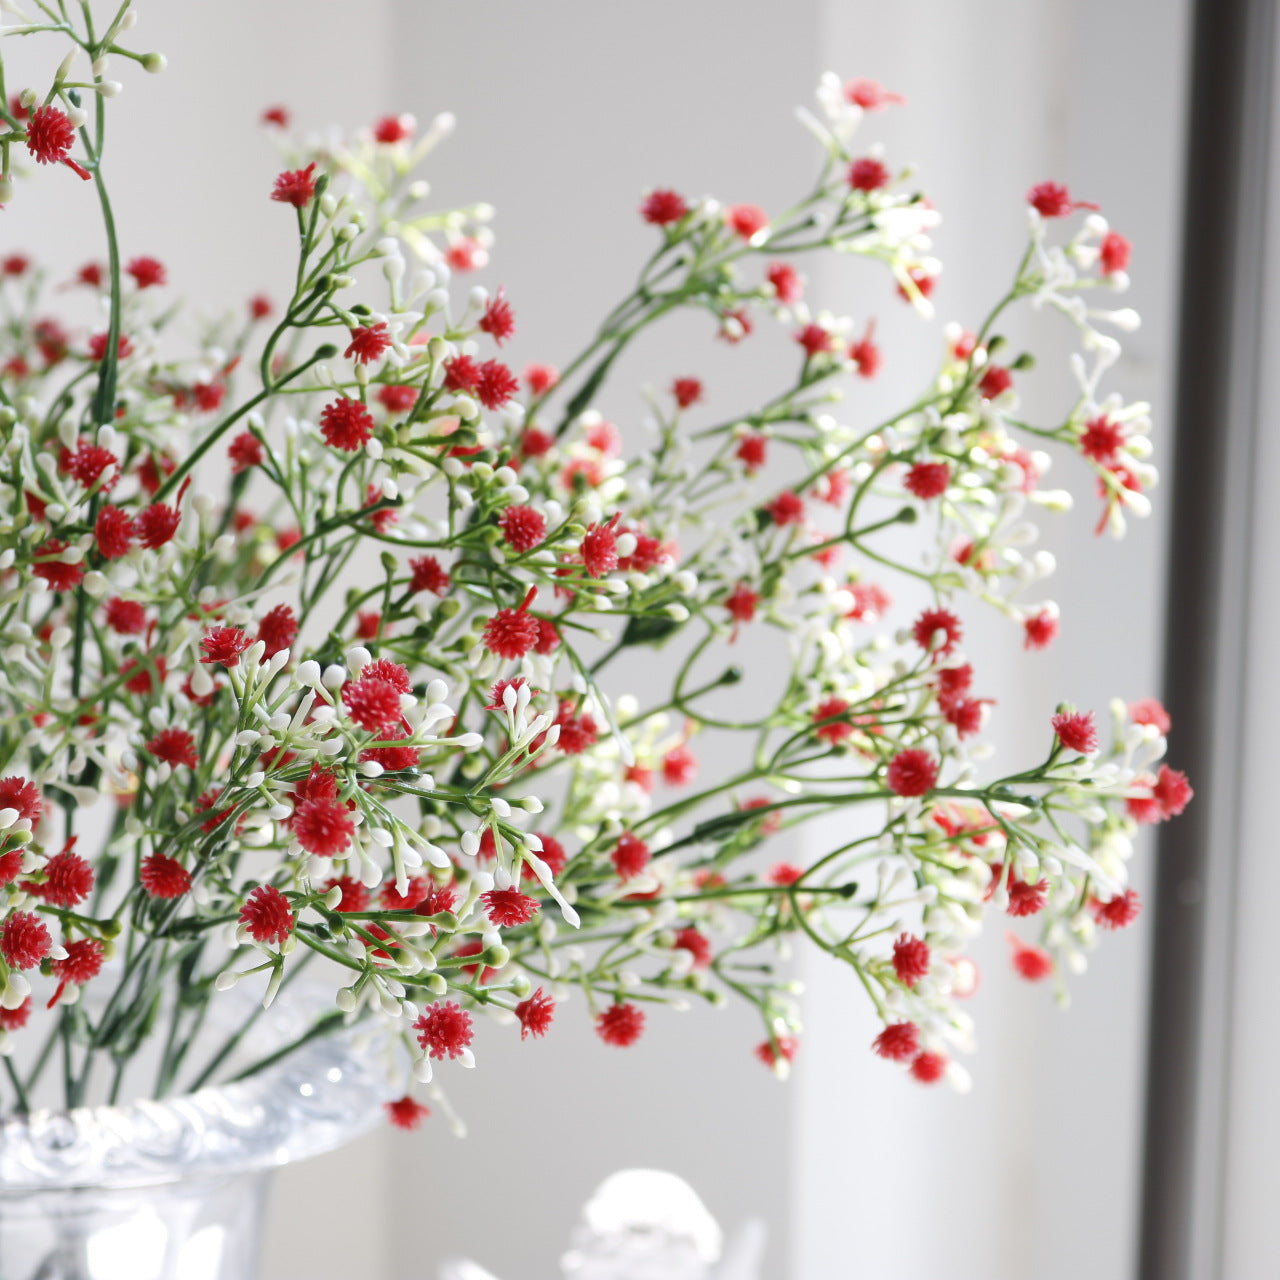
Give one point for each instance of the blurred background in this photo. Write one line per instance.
(567, 112)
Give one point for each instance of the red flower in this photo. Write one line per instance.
(14, 264)
(1053, 200)
(346, 424)
(495, 384)
(522, 527)
(174, 746)
(259, 306)
(535, 1014)
(88, 464)
(140, 681)
(113, 532)
(368, 342)
(508, 908)
(17, 793)
(1026, 899)
(68, 880)
(735, 325)
(620, 1025)
(406, 1112)
(444, 1030)
(835, 711)
(782, 1048)
(245, 451)
(147, 272)
(1102, 440)
(540, 379)
(50, 135)
(787, 508)
(745, 220)
(157, 524)
(1032, 963)
(964, 714)
(922, 281)
(786, 282)
(553, 854)
(1076, 731)
(928, 480)
(393, 673)
(124, 617)
(224, 645)
(630, 856)
(898, 1041)
(871, 95)
(929, 1068)
(323, 826)
(687, 391)
(910, 959)
(15, 1019)
(995, 381)
(466, 254)
(1150, 711)
(82, 962)
(815, 340)
(511, 633)
(395, 398)
(548, 636)
(679, 767)
(1172, 791)
(865, 354)
(498, 320)
(869, 602)
(1113, 255)
(372, 703)
(600, 549)
(59, 575)
(354, 896)
(24, 940)
(392, 129)
(663, 207)
(1041, 629)
(1118, 912)
(98, 346)
(164, 877)
(296, 186)
(426, 574)
(393, 759)
(278, 629)
(782, 874)
(751, 452)
(911, 772)
(266, 914)
(868, 174)
(927, 626)
(696, 944)
(742, 603)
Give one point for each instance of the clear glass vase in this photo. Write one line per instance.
(173, 1190)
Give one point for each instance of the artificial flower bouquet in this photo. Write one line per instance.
(321, 636)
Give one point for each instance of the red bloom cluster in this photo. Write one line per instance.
(266, 915)
(346, 424)
(406, 1112)
(444, 1030)
(535, 1014)
(508, 908)
(164, 877)
(912, 772)
(910, 959)
(1076, 731)
(620, 1025)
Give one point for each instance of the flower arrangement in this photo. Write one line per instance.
(321, 638)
